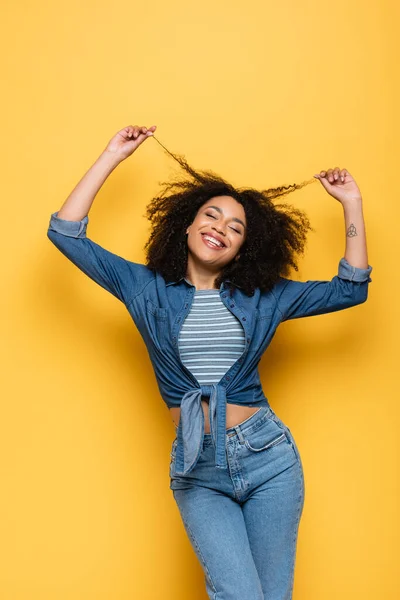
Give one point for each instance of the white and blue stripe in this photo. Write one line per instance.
(211, 338)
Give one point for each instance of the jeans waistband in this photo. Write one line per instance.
(244, 425)
(248, 425)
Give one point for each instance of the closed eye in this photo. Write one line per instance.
(210, 215)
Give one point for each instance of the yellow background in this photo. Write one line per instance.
(265, 94)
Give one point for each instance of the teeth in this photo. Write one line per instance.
(213, 240)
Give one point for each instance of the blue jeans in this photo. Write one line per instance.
(243, 523)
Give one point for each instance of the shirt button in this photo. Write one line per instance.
(243, 318)
(232, 305)
(178, 319)
(224, 295)
(248, 339)
(186, 305)
(228, 378)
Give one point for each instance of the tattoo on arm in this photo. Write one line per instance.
(352, 231)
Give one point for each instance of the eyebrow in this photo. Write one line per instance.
(233, 218)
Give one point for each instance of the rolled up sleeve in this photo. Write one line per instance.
(119, 276)
(347, 271)
(348, 288)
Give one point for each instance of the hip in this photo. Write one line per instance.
(261, 449)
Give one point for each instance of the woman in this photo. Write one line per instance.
(207, 304)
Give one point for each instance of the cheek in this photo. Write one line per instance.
(237, 245)
(194, 242)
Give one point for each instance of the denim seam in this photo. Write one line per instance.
(254, 427)
(275, 442)
(294, 542)
(289, 436)
(200, 554)
(199, 451)
(352, 273)
(277, 303)
(138, 294)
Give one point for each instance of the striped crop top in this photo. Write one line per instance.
(211, 338)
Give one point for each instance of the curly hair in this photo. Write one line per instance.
(275, 232)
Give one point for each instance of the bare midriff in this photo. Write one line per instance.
(235, 414)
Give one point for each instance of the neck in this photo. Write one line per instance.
(201, 277)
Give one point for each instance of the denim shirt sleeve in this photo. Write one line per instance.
(122, 278)
(307, 298)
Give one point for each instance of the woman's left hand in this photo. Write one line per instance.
(340, 184)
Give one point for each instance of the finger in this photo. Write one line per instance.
(149, 131)
(336, 173)
(324, 182)
(143, 136)
(329, 175)
(322, 179)
(325, 174)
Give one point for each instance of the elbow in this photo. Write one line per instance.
(353, 292)
(50, 234)
(59, 240)
(54, 236)
(361, 293)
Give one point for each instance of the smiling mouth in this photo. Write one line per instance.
(208, 240)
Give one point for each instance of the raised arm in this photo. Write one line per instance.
(67, 227)
(350, 286)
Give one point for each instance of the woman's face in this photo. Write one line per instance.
(221, 218)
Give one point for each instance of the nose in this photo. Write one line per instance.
(220, 229)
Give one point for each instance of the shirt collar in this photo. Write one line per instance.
(188, 282)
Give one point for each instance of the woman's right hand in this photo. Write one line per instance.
(125, 142)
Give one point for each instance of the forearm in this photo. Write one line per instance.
(356, 243)
(80, 200)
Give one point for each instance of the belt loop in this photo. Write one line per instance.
(239, 433)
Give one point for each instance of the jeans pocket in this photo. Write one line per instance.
(290, 439)
(263, 439)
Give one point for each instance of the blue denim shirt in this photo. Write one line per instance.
(159, 307)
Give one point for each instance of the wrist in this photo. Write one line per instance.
(109, 159)
(352, 203)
